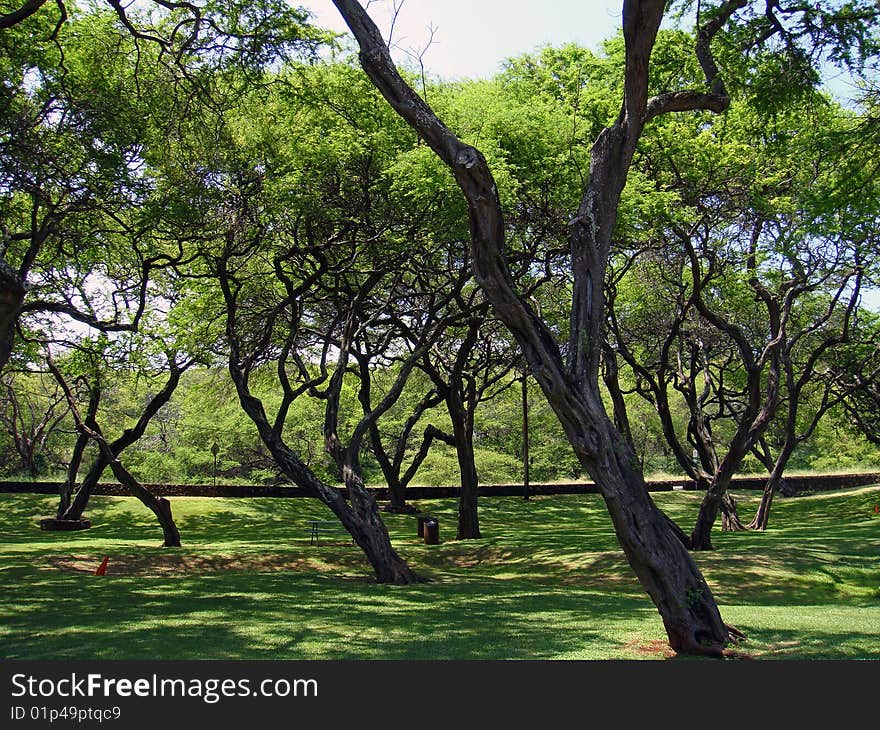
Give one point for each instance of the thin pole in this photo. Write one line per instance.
(525, 437)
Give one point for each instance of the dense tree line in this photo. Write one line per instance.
(667, 239)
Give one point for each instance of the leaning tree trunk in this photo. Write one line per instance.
(775, 482)
(159, 506)
(730, 521)
(364, 523)
(762, 516)
(718, 499)
(126, 439)
(654, 550)
(701, 535)
(76, 457)
(66, 490)
(361, 518)
(84, 493)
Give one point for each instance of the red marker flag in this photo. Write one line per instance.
(102, 569)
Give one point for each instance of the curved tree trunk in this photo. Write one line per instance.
(129, 436)
(66, 490)
(365, 525)
(79, 447)
(159, 506)
(762, 516)
(361, 518)
(84, 493)
(775, 483)
(656, 553)
(701, 535)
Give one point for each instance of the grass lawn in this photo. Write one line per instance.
(547, 582)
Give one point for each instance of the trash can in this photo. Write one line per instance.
(422, 519)
(432, 531)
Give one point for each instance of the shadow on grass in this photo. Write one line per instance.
(288, 615)
(549, 580)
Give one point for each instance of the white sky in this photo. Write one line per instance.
(473, 37)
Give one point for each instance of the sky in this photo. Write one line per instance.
(473, 37)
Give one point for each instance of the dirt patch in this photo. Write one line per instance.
(656, 649)
(183, 564)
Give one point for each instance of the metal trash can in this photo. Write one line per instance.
(432, 531)
(422, 519)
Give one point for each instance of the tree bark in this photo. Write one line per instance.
(365, 525)
(775, 481)
(12, 293)
(730, 521)
(462, 434)
(66, 490)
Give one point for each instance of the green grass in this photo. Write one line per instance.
(548, 581)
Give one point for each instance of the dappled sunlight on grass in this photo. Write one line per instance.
(547, 581)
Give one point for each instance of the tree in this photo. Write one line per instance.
(85, 86)
(31, 415)
(159, 506)
(661, 562)
(472, 361)
(748, 289)
(75, 496)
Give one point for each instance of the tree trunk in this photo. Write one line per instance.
(365, 525)
(397, 498)
(775, 482)
(656, 554)
(128, 437)
(361, 519)
(159, 506)
(84, 493)
(79, 447)
(701, 535)
(762, 516)
(66, 490)
(12, 293)
(662, 564)
(730, 521)
(462, 434)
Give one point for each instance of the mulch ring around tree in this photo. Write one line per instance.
(171, 564)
